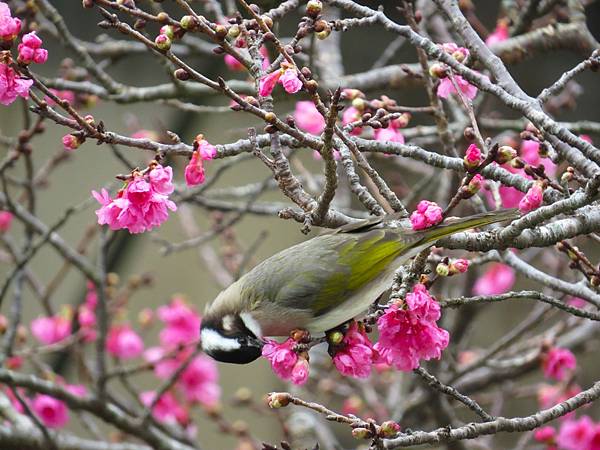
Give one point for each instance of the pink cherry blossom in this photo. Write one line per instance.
(71, 142)
(282, 357)
(52, 412)
(576, 434)
(389, 134)
(63, 95)
(50, 330)
(161, 180)
(199, 381)
(9, 26)
(290, 81)
(576, 302)
(533, 199)
(194, 171)
(460, 265)
(409, 333)
(6, 219)
(30, 49)
(356, 355)
(16, 404)
(307, 117)
(232, 63)
(427, 215)
(498, 279)
(141, 205)
(182, 324)
(472, 156)
(446, 87)
(300, 372)
(268, 82)
(500, 34)
(459, 53)
(163, 367)
(350, 115)
(545, 435)
(12, 85)
(124, 343)
(207, 150)
(530, 153)
(167, 409)
(558, 363)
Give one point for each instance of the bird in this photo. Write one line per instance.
(319, 284)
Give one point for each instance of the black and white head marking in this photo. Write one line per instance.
(233, 338)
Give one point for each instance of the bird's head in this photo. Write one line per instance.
(231, 338)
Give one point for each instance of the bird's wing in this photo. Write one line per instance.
(338, 265)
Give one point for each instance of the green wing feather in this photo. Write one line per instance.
(320, 274)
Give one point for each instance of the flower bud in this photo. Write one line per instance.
(88, 3)
(389, 429)
(234, 31)
(163, 42)
(270, 117)
(162, 17)
(168, 31)
(442, 270)
(71, 141)
(189, 23)
(472, 157)
(359, 104)
(361, 433)
(243, 395)
(3, 324)
(145, 317)
(459, 265)
(221, 31)
(505, 154)
(182, 74)
(314, 8)
(438, 70)
(311, 86)
(89, 119)
(595, 280)
(278, 399)
(459, 55)
(566, 177)
(335, 337)
(475, 184)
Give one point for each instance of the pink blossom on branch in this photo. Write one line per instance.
(12, 85)
(558, 363)
(200, 381)
(498, 279)
(533, 199)
(307, 117)
(290, 81)
(30, 49)
(194, 171)
(6, 219)
(52, 412)
(427, 215)
(167, 409)
(285, 362)
(356, 355)
(182, 324)
(141, 206)
(578, 434)
(268, 82)
(9, 26)
(409, 332)
(124, 343)
(50, 330)
(446, 87)
(500, 33)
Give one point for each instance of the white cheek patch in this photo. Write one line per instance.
(251, 324)
(213, 341)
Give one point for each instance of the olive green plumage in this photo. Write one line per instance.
(329, 279)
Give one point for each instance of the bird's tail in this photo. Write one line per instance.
(451, 226)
